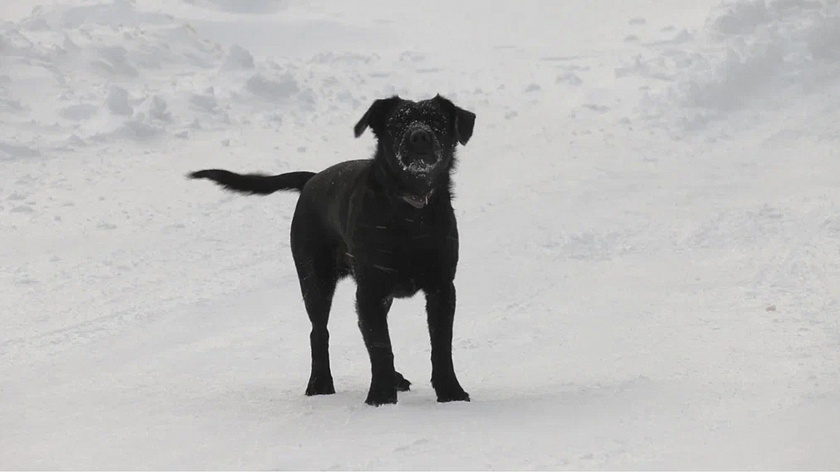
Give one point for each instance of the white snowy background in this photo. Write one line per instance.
(649, 212)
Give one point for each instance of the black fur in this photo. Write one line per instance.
(257, 184)
(388, 222)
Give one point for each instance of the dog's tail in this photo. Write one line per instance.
(257, 184)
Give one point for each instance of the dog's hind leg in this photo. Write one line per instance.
(317, 294)
(317, 284)
(403, 385)
(318, 276)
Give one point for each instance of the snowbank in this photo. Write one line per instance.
(107, 72)
(751, 55)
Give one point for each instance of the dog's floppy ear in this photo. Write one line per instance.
(464, 120)
(376, 115)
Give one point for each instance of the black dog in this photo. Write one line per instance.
(388, 222)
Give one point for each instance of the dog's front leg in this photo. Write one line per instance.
(440, 309)
(373, 322)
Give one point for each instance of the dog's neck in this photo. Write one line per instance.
(417, 201)
(386, 180)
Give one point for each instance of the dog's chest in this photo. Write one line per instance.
(405, 251)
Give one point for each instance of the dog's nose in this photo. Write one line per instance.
(420, 139)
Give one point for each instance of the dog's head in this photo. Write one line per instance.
(416, 142)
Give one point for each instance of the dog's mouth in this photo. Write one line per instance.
(419, 153)
(421, 165)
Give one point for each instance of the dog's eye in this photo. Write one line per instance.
(437, 123)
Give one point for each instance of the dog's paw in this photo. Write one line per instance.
(383, 396)
(320, 386)
(458, 395)
(403, 385)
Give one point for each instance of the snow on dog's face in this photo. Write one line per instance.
(417, 141)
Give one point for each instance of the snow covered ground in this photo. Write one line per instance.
(649, 212)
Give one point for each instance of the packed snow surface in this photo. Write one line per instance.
(649, 213)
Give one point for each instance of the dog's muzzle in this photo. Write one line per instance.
(420, 141)
(419, 152)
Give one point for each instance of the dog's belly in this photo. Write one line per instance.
(405, 289)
